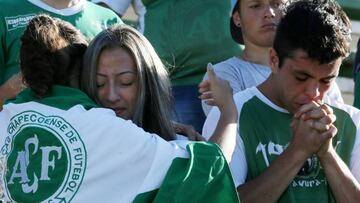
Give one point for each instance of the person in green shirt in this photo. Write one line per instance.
(291, 146)
(88, 17)
(57, 145)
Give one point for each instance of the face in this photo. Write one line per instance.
(117, 82)
(258, 20)
(301, 80)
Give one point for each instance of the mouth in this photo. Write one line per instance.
(269, 26)
(119, 110)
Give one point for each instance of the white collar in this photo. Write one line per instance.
(267, 101)
(64, 12)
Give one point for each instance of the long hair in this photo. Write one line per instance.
(50, 54)
(153, 106)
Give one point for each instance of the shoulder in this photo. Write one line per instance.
(347, 117)
(244, 96)
(342, 108)
(14, 3)
(16, 8)
(232, 63)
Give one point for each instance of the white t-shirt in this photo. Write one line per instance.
(243, 74)
(120, 7)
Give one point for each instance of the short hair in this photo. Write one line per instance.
(154, 103)
(50, 54)
(318, 27)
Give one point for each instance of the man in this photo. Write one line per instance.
(89, 18)
(253, 23)
(289, 148)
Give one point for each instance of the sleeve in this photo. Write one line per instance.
(334, 94)
(357, 61)
(177, 170)
(140, 10)
(355, 157)
(238, 164)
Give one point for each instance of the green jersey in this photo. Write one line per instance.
(265, 132)
(89, 18)
(189, 34)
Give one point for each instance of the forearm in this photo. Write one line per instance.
(269, 186)
(5, 93)
(225, 132)
(342, 183)
(2, 95)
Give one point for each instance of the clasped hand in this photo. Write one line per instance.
(313, 128)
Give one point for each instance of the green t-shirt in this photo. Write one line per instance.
(264, 141)
(88, 17)
(189, 34)
(265, 132)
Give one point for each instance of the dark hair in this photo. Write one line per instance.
(50, 54)
(235, 30)
(318, 27)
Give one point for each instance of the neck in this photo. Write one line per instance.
(268, 89)
(61, 4)
(256, 54)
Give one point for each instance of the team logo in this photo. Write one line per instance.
(45, 159)
(14, 22)
(310, 168)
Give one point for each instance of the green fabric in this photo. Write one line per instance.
(351, 7)
(15, 14)
(264, 141)
(188, 34)
(357, 92)
(61, 97)
(204, 177)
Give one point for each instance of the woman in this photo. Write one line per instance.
(58, 146)
(123, 72)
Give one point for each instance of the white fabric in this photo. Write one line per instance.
(113, 146)
(242, 74)
(238, 164)
(64, 12)
(120, 7)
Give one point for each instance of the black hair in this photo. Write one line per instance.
(318, 27)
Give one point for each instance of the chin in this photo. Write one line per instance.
(125, 117)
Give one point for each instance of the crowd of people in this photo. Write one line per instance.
(94, 110)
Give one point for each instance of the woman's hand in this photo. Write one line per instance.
(188, 131)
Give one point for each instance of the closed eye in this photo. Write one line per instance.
(100, 85)
(301, 78)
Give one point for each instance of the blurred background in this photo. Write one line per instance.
(345, 81)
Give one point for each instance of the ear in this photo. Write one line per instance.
(236, 18)
(274, 60)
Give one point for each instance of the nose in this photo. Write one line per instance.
(313, 90)
(112, 95)
(269, 11)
